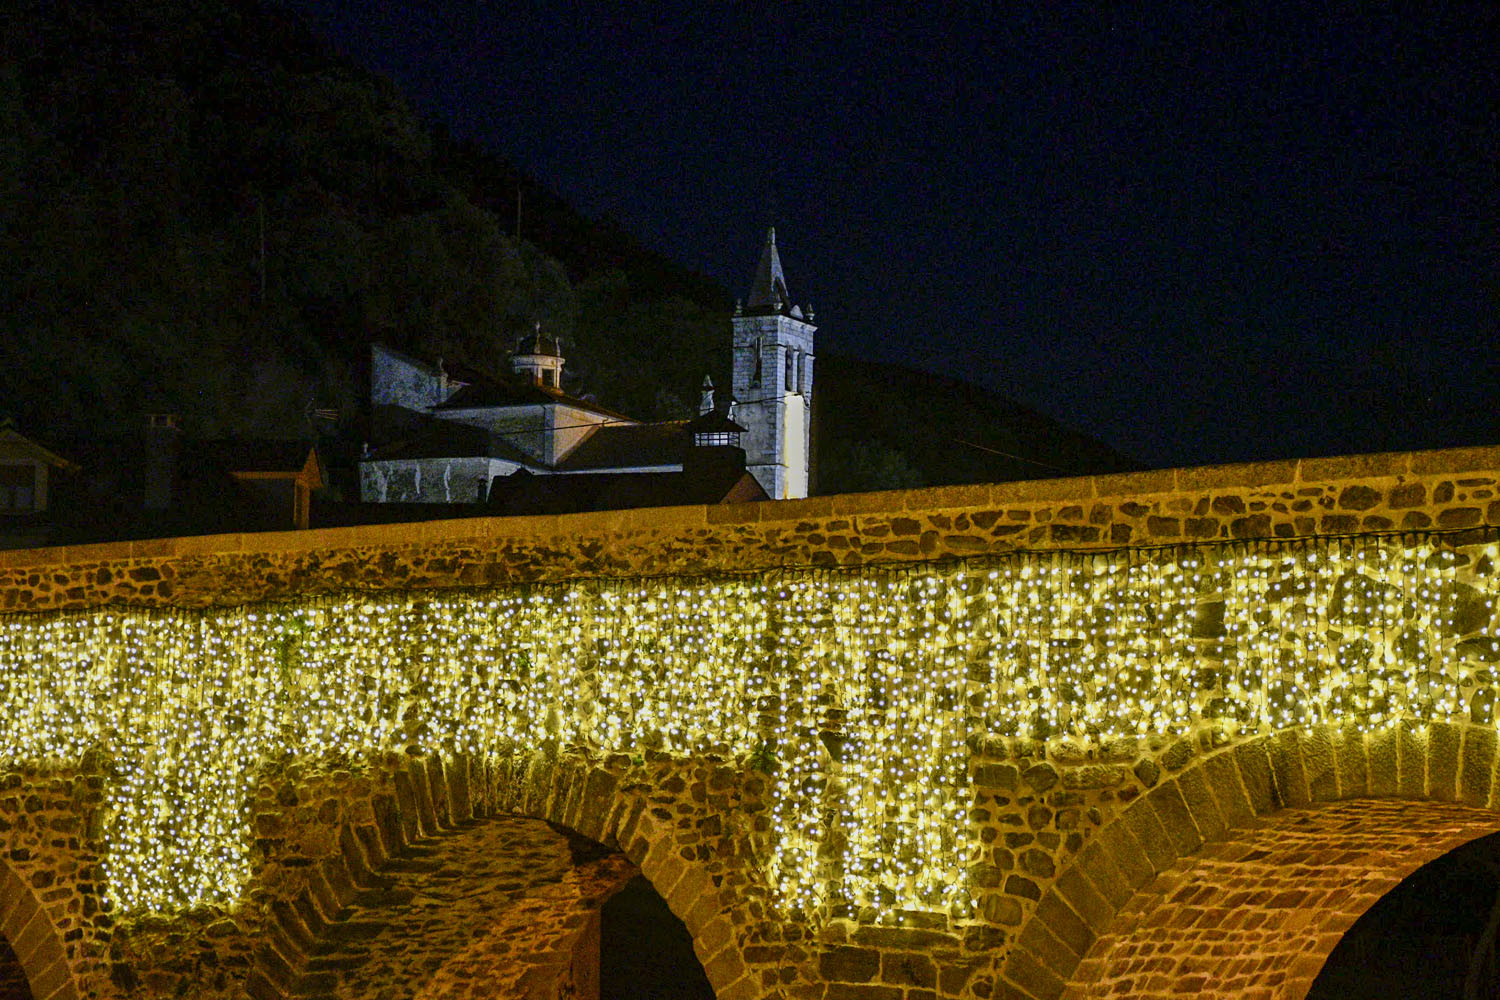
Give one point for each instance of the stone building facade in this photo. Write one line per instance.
(773, 380)
(443, 436)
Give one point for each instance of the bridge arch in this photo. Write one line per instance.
(1241, 872)
(33, 949)
(675, 821)
(578, 828)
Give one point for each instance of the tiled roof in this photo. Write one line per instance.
(449, 439)
(487, 392)
(523, 493)
(629, 446)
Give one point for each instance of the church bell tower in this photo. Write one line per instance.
(773, 374)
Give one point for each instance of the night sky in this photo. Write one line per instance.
(1199, 236)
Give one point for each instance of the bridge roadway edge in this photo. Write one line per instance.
(1452, 490)
(1447, 491)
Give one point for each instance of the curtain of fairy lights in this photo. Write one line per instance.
(855, 691)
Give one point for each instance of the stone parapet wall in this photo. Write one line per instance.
(1449, 490)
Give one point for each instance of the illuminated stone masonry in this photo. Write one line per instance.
(920, 763)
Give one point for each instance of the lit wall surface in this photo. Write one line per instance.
(857, 690)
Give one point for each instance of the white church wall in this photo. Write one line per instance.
(396, 380)
(430, 480)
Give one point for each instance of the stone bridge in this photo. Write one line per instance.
(1164, 734)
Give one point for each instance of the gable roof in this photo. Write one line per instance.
(523, 493)
(16, 443)
(629, 446)
(484, 392)
(450, 439)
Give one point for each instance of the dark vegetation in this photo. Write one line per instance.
(204, 210)
(882, 426)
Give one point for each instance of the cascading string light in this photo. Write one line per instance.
(856, 691)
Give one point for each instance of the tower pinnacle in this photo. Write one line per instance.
(768, 292)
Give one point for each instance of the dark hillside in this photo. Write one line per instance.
(205, 210)
(883, 426)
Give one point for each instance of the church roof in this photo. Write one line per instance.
(564, 494)
(449, 439)
(628, 446)
(486, 392)
(768, 291)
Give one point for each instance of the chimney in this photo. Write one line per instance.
(163, 440)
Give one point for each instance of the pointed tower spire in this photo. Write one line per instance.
(773, 381)
(768, 292)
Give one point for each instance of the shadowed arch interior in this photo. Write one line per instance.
(32, 961)
(13, 984)
(474, 881)
(1248, 864)
(1257, 913)
(645, 950)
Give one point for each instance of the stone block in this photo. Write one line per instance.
(22, 910)
(1079, 489)
(1322, 470)
(1485, 458)
(999, 776)
(1099, 868)
(724, 968)
(406, 810)
(1222, 776)
(1092, 908)
(422, 793)
(437, 783)
(461, 804)
(1406, 496)
(1024, 970)
(1134, 484)
(1352, 762)
(1442, 761)
(1253, 760)
(1127, 854)
(843, 964)
(37, 945)
(1284, 749)
(1056, 956)
(1381, 753)
(1477, 773)
(907, 968)
(1193, 786)
(1175, 818)
(1319, 764)
(933, 498)
(1459, 517)
(1067, 926)
(1358, 497)
(1411, 759)
(1209, 477)
(48, 981)
(1040, 777)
